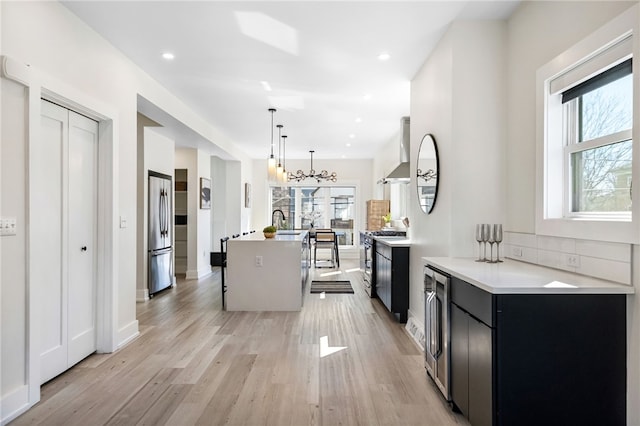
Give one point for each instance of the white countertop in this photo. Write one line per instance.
(280, 236)
(393, 241)
(513, 277)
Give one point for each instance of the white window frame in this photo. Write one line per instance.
(609, 45)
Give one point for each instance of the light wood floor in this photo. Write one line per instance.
(196, 364)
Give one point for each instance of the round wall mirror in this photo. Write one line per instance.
(427, 173)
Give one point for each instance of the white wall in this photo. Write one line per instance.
(458, 96)
(13, 190)
(203, 267)
(234, 199)
(218, 202)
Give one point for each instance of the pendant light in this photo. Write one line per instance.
(285, 175)
(271, 162)
(323, 175)
(279, 169)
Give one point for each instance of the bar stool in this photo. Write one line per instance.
(326, 240)
(223, 254)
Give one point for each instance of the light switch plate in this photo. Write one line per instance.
(123, 222)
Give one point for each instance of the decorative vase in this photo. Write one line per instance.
(269, 234)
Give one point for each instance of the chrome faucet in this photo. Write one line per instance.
(284, 219)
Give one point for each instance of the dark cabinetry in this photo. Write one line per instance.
(472, 352)
(391, 278)
(533, 359)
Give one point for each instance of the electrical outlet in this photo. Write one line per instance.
(573, 260)
(259, 261)
(516, 251)
(8, 226)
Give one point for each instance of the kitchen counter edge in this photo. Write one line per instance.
(515, 277)
(393, 241)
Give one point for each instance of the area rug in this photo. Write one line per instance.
(331, 287)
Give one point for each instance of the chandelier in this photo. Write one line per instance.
(271, 162)
(323, 175)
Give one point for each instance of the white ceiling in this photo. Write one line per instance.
(319, 58)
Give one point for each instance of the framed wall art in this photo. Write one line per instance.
(205, 193)
(247, 195)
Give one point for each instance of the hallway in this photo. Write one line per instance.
(196, 364)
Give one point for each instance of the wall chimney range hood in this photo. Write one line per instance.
(400, 174)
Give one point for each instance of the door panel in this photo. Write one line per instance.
(48, 223)
(83, 135)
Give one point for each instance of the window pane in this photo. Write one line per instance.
(320, 207)
(283, 199)
(342, 204)
(312, 208)
(607, 110)
(602, 178)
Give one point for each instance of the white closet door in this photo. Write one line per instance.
(65, 171)
(83, 142)
(48, 162)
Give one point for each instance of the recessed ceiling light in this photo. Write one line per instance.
(358, 120)
(384, 56)
(367, 96)
(266, 86)
(348, 145)
(344, 156)
(168, 56)
(352, 136)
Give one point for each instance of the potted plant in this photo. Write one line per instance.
(269, 231)
(387, 219)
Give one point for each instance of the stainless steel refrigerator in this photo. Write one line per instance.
(160, 236)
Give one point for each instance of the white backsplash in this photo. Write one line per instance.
(610, 261)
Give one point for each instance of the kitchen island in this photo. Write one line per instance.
(531, 345)
(267, 274)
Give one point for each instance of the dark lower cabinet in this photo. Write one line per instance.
(471, 367)
(538, 359)
(391, 278)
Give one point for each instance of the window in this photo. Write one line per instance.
(585, 147)
(598, 119)
(319, 207)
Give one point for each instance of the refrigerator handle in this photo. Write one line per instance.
(164, 213)
(161, 212)
(168, 214)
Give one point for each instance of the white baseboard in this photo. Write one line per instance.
(14, 403)
(415, 329)
(142, 295)
(198, 274)
(127, 333)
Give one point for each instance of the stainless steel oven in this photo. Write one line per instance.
(366, 262)
(437, 324)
